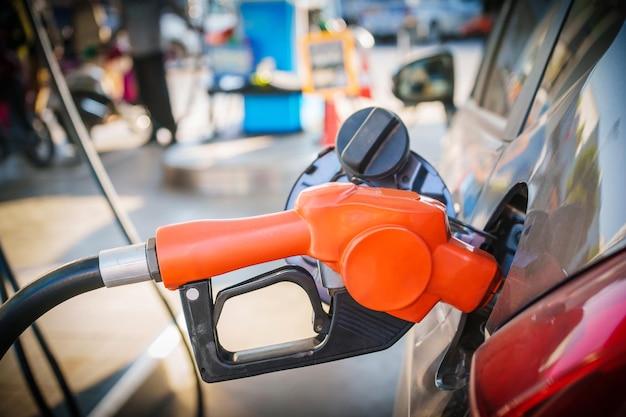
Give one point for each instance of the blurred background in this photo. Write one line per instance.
(194, 109)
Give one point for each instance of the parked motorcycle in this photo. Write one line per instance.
(97, 105)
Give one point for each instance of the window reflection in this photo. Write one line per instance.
(589, 30)
(525, 30)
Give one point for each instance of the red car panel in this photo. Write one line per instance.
(553, 357)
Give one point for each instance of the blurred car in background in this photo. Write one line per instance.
(383, 19)
(533, 161)
(437, 19)
(479, 26)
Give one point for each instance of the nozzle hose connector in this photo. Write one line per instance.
(129, 264)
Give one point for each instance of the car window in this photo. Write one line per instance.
(525, 30)
(589, 30)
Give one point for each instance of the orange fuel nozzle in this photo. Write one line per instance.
(392, 248)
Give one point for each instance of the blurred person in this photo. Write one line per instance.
(141, 21)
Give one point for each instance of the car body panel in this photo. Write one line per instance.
(551, 156)
(558, 143)
(569, 161)
(471, 146)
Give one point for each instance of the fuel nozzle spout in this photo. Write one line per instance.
(393, 248)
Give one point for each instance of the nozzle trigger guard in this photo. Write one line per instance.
(299, 276)
(349, 329)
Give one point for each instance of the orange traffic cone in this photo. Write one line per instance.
(331, 123)
(364, 81)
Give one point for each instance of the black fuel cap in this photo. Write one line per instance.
(372, 144)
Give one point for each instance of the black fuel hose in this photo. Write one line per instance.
(42, 295)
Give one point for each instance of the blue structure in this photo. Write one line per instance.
(269, 27)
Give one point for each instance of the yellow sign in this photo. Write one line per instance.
(329, 63)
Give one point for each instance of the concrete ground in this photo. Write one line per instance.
(55, 215)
